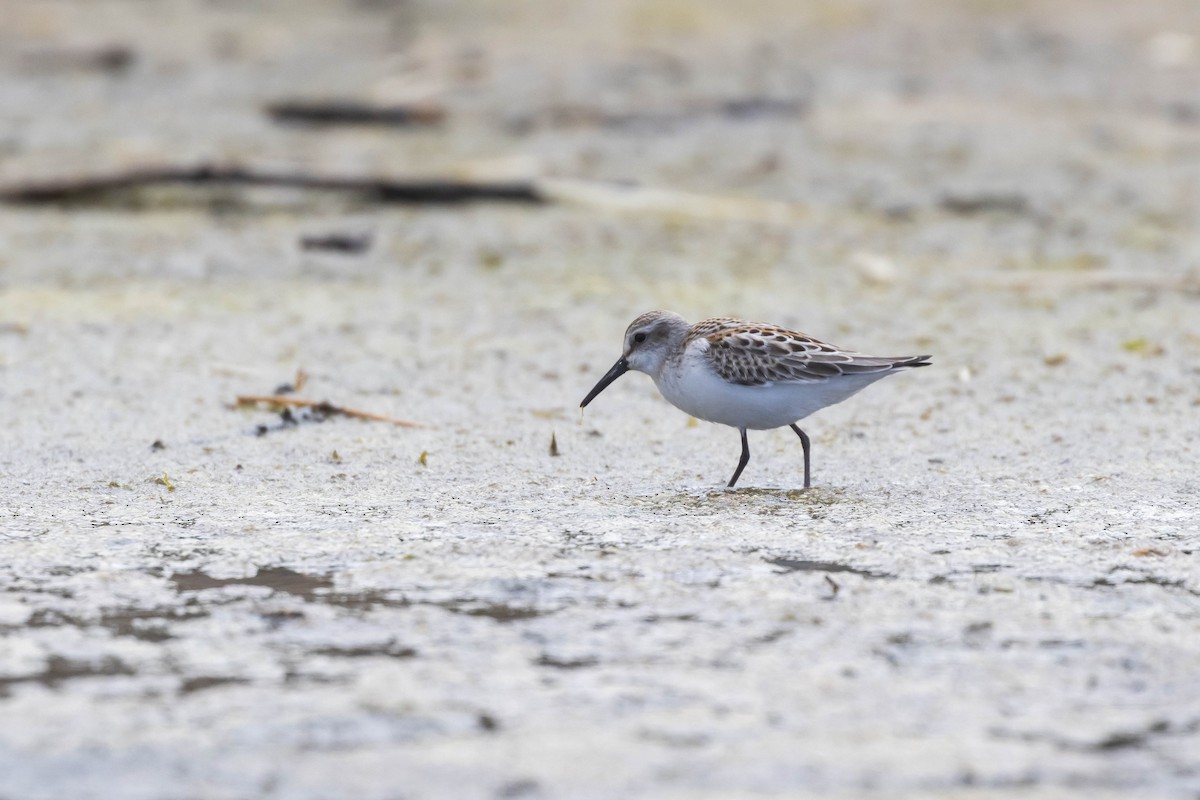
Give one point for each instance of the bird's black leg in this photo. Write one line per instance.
(743, 461)
(804, 443)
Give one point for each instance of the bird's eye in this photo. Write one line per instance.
(639, 337)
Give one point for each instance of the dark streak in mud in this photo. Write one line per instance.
(147, 625)
(498, 612)
(802, 565)
(1115, 740)
(200, 683)
(390, 649)
(315, 589)
(280, 579)
(59, 669)
(566, 663)
(1139, 579)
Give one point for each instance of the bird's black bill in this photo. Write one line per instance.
(618, 369)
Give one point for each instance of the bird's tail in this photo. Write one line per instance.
(905, 362)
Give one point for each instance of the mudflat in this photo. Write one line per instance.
(991, 588)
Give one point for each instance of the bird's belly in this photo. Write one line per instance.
(704, 395)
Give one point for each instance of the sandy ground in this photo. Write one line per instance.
(992, 588)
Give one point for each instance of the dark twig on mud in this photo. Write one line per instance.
(351, 243)
(380, 190)
(111, 58)
(348, 112)
(322, 407)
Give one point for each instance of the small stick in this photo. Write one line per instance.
(84, 188)
(350, 112)
(323, 406)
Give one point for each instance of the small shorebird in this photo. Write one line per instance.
(747, 375)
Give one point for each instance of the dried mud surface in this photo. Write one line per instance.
(992, 588)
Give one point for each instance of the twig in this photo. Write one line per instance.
(594, 194)
(350, 243)
(381, 190)
(112, 58)
(350, 112)
(967, 204)
(320, 406)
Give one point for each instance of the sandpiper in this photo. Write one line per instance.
(747, 375)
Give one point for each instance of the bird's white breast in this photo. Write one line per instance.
(691, 385)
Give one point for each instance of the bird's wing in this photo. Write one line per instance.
(753, 354)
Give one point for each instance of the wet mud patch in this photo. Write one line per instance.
(1119, 739)
(148, 625)
(310, 588)
(279, 579)
(144, 624)
(949, 578)
(496, 611)
(390, 649)
(1121, 575)
(202, 682)
(319, 589)
(1117, 578)
(467, 606)
(547, 660)
(805, 565)
(60, 669)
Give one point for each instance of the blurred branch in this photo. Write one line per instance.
(529, 189)
(349, 112)
(86, 188)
